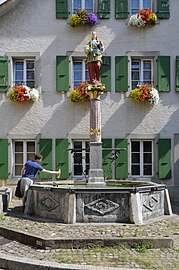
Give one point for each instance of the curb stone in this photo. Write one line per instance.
(10, 262)
(82, 242)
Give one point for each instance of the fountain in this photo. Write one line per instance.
(99, 200)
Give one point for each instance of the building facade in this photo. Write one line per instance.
(40, 49)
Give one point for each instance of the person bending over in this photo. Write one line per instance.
(29, 172)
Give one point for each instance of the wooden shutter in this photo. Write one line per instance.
(61, 9)
(164, 158)
(121, 73)
(163, 67)
(104, 9)
(163, 9)
(62, 157)
(3, 74)
(121, 170)
(177, 74)
(45, 148)
(106, 155)
(3, 158)
(106, 72)
(62, 73)
(121, 9)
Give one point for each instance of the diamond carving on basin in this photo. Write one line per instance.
(49, 203)
(151, 203)
(102, 206)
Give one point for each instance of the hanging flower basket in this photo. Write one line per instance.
(82, 17)
(79, 94)
(22, 93)
(145, 93)
(142, 18)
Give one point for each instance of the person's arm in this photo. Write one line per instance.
(51, 172)
(22, 170)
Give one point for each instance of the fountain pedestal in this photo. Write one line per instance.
(95, 176)
(121, 201)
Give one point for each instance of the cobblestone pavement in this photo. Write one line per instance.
(120, 256)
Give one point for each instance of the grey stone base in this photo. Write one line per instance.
(96, 178)
(98, 204)
(5, 198)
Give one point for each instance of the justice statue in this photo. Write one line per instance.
(94, 50)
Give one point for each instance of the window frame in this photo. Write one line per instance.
(24, 153)
(141, 6)
(24, 60)
(83, 60)
(82, 6)
(28, 55)
(83, 153)
(141, 70)
(142, 159)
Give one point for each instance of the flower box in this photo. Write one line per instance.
(22, 93)
(145, 93)
(79, 93)
(82, 17)
(142, 18)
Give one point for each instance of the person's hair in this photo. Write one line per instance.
(38, 156)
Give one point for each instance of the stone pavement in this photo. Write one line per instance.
(30, 243)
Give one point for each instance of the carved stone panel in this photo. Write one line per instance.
(102, 207)
(152, 204)
(49, 204)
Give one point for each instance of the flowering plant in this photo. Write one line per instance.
(79, 93)
(143, 17)
(145, 92)
(21, 93)
(83, 17)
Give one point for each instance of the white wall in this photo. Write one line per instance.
(32, 27)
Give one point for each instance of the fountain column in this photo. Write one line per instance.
(95, 176)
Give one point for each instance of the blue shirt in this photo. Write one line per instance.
(31, 169)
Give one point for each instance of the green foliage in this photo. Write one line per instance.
(143, 248)
(79, 93)
(76, 96)
(2, 217)
(75, 20)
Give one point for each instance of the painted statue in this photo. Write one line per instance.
(94, 50)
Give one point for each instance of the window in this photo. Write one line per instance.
(80, 158)
(80, 72)
(141, 158)
(140, 4)
(83, 4)
(141, 72)
(23, 151)
(24, 72)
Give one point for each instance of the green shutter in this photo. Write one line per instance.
(121, 170)
(61, 9)
(106, 72)
(3, 74)
(62, 73)
(106, 155)
(121, 73)
(177, 74)
(45, 148)
(164, 156)
(163, 9)
(121, 9)
(163, 67)
(104, 9)
(62, 157)
(3, 158)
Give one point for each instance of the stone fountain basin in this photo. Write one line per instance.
(118, 202)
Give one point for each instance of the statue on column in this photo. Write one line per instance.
(94, 50)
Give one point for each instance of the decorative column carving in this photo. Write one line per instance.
(95, 177)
